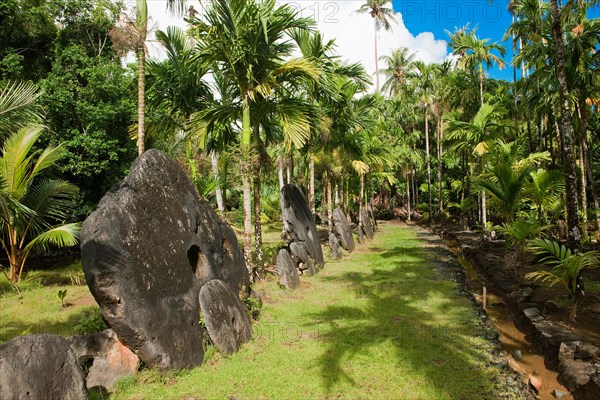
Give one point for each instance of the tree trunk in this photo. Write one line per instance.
(324, 201)
(258, 248)
(376, 57)
(360, 200)
(290, 166)
(311, 183)
(141, 60)
(428, 155)
(408, 208)
(218, 191)
(280, 172)
(440, 165)
(246, 186)
(569, 166)
(329, 204)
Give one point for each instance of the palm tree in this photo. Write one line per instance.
(247, 40)
(32, 205)
(474, 53)
(128, 35)
(569, 166)
(18, 107)
(425, 83)
(398, 70)
(474, 136)
(381, 19)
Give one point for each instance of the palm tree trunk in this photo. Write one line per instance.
(290, 166)
(218, 190)
(280, 171)
(258, 248)
(342, 195)
(440, 165)
(246, 186)
(569, 166)
(324, 201)
(141, 61)
(408, 208)
(360, 200)
(311, 183)
(376, 57)
(329, 204)
(428, 155)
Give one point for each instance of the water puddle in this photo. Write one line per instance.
(512, 339)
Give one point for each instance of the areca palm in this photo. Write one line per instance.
(34, 207)
(425, 82)
(382, 16)
(247, 40)
(475, 136)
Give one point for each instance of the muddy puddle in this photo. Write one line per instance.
(512, 339)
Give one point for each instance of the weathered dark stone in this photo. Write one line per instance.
(575, 373)
(298, 252)
(147, 250)
(334, 245)
(341, 226)
(372, 218)
(286, 268)
(225, 317)
(298, 221)
(111, 360)
(40, 367)
(366, 224)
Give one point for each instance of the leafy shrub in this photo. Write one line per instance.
(91, 321)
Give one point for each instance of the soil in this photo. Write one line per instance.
(491, 264)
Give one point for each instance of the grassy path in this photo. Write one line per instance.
(382, 324)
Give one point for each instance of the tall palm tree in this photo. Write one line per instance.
(397, 71)
(569, 166)
(425, 80)
(382, 16)
(248, 41)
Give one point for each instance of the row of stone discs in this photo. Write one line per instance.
(303, 254)
(341, 235)
(154, 254)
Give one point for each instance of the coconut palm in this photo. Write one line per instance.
(34, 206)
(18, 107)
(397, 71)
(382, 16)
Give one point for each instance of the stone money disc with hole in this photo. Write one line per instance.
(225, 317)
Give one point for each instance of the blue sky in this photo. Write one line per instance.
(491, 18)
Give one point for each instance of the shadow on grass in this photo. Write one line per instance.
(395, 285)
(65, 327)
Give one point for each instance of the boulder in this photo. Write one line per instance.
(40, 367)
(298, 222)
(366, 224)
(286, 269)
(334, 245)
(343, 230)
(225, 317)
(110, 359)
(146, 252)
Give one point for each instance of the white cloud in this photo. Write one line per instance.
(337, 20)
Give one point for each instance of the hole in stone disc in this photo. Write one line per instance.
(192, 255)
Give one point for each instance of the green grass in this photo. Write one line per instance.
(38, 310)
(379, 325)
